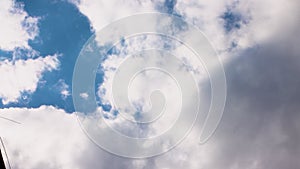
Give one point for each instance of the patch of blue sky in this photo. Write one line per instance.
(5, 55)
(62, 30)
(167, 6)
(233, 20)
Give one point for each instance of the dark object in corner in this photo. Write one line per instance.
(2, 165)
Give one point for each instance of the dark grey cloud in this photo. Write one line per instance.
(260, 127)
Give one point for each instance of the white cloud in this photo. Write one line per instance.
(17, 75)
(23, 76)
(63, 88)
(102, 12)
(17, 27)
(84, 95)
(143, 84)
(65, 93)
(252, 18)
(46, 138)
(258, 21)
(50, 138)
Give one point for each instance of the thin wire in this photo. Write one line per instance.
(5, 153)
(10, 120)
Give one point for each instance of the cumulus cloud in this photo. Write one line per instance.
(234, 26)
(146, 82)
(259, 129)
(231, 26)
(46, 138)
(254, 133)
(50, 138)
(101, 13)
(23, 76)
(20, 73)
(17, 27)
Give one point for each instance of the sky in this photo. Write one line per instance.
(256, 42)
